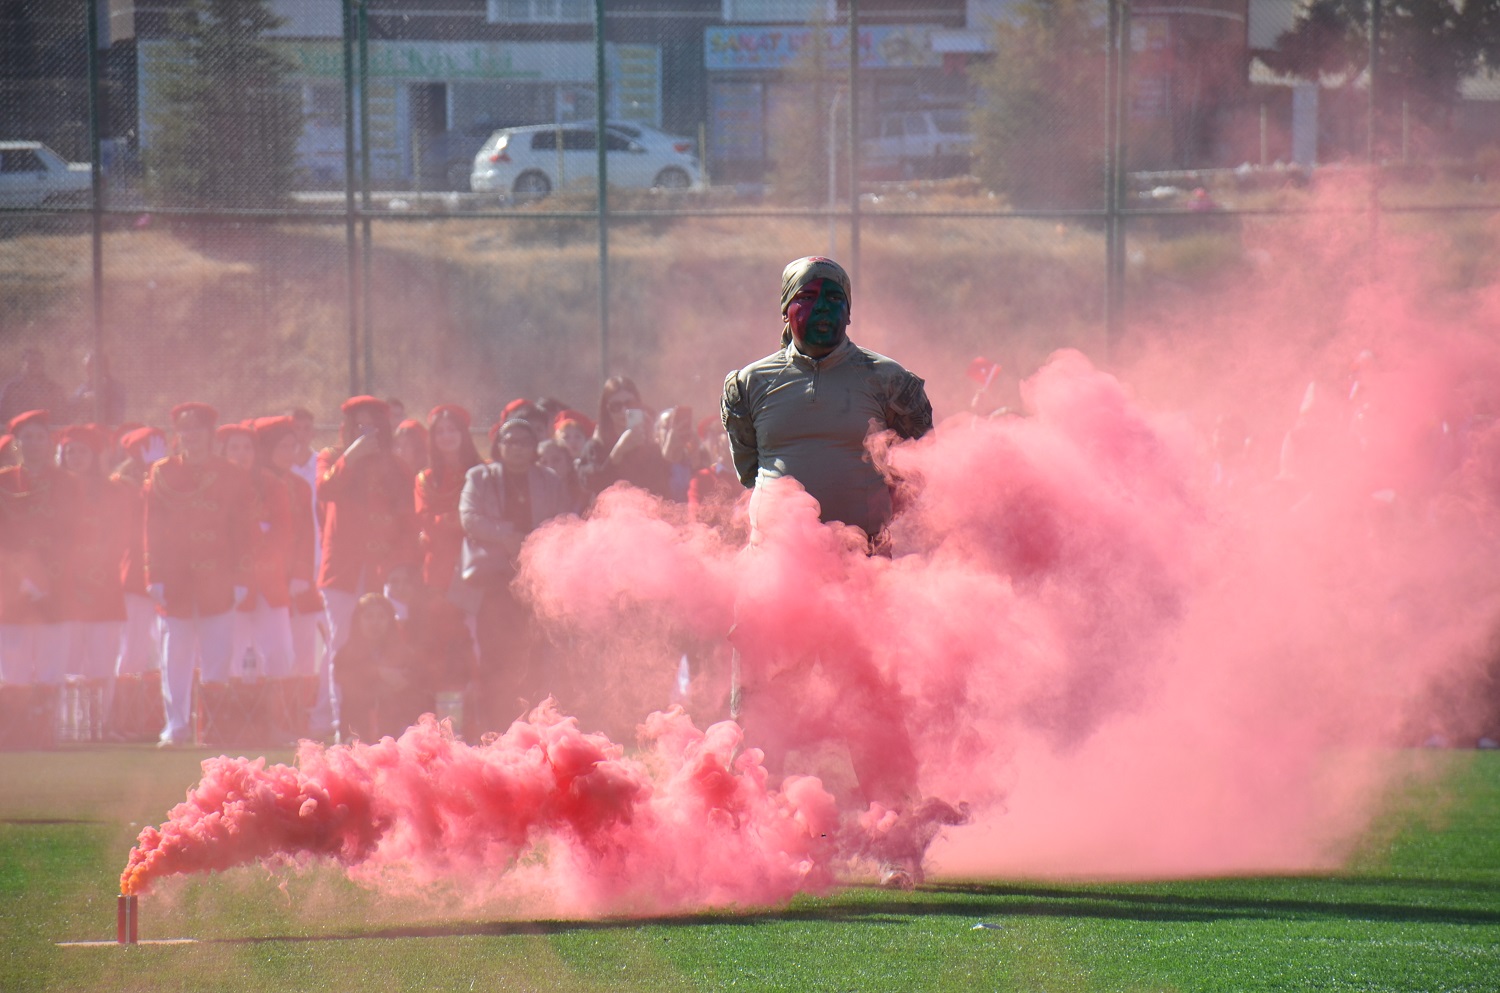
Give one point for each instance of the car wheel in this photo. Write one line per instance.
(672, 178)
(531, 185)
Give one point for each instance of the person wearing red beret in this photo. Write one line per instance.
(36, 509)
(369, 525)
(309, 619)
(572, 430)
(241, 723)
(409, 442)
(199, 533)
(281, 567)
(93, 593)
(137, 712)
(236, 444)
(452, 455)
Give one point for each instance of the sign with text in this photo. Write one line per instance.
(880, 47)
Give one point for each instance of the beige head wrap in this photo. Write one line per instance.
(803, 271)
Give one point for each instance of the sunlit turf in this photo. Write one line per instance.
(1418, 910)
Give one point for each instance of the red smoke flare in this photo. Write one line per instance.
(687, 823)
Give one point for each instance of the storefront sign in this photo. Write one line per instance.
(451, 60)
(880, 47)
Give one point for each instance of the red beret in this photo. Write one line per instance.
(583, 421)
(453, 410)
(270, 430)
(5, 441)
(512, 407)
(30, 417)
(411, 424)
(352, 404)
(85, 434)
(265, 426)
(228, 430)
(131, 440)
(195, 410)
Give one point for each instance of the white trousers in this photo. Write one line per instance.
(338, 607)
(305, 636)
(94, 648)
(267, 632)
(33, 654)
(186, 640)
(140, 641)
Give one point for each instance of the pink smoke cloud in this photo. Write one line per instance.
(1129, 653)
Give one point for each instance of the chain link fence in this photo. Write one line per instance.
(286, 203)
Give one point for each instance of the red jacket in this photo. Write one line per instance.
(35, 516)
(369, 520)
(199, 533)
(272, 544)
(131, 478)
(93, 590)
(304, 548)
(442, 531)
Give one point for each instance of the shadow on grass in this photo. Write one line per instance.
(993, 903)
(1144, 906)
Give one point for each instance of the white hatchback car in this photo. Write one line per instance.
(531, 162)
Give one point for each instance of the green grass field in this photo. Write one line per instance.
(1419, 909)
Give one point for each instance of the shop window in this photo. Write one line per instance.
(778, 11)
(539, 11)
(323, 104)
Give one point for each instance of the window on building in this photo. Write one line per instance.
(323, 104)
(778, 11)
(539, 11)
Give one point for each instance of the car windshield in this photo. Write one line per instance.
(950, 121)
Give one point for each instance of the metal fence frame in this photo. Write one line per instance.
(358, 215)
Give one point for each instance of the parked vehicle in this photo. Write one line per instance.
(531, 162)
(31, 175)
(445, 159)
(912, 143)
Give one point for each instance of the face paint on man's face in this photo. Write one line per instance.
(818, 316)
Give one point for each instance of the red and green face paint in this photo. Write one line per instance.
(818, 316)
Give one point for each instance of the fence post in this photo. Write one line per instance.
(854, 141)
(350, 252)
(1117, 117)
(1372, 139)
(601, 114)
(365, 253)
(96, 208)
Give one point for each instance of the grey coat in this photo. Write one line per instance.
(488, 536)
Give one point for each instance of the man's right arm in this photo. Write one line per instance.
(740, 426)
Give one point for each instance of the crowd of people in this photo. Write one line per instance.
(223, 582)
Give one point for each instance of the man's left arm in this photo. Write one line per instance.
(907, 409)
